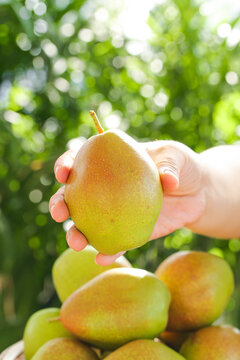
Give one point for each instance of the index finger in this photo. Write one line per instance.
(63, 165)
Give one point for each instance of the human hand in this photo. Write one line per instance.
(180, 171)
(183, 200)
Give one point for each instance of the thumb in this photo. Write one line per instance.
(169, 159)
(169, 178)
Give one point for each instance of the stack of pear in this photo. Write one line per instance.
(122, 309)
(114, 192)
(116, 307)
(70, 271)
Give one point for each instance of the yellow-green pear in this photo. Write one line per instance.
(40, 328)
(113, 192)
(116, 307)
(144, 350)
(73, 269)
(201, 285)
(213, 343)
(65, 349)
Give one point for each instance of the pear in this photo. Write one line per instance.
(65, 349)
(73, 269)
(144, 350)
(41, 327)
(213, 343)
(113, 192)
(174, 339)
(201, 285)
(116, 307)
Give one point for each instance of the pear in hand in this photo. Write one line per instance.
(113, 192)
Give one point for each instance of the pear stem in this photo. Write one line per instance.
(96, 122)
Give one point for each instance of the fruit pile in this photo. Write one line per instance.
(121, 313)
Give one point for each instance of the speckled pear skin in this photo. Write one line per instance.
(144, 350)
(73, 269)
(200, 284)
(213, 343)
(65, 349)
(174, 339)
(116, 307)
(113, 192)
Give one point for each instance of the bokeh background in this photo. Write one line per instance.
(164, 69)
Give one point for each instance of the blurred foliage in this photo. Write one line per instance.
(58, 60)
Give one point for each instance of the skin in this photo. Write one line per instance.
(200, 192)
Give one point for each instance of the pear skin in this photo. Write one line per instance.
(116, 307)
(114, 192)
(73, 269)
(144, 350)
(65, 349)
(213, 343)
(200, 284)
(174, 339)
(40, 328)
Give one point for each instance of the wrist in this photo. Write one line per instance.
(201, 195)
(212, 221)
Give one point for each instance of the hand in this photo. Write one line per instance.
(183, 198)
(180, 171)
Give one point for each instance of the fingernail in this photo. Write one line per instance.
(67, 162)
(166, 170)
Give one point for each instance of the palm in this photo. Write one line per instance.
(176, 212)
(183, 203)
